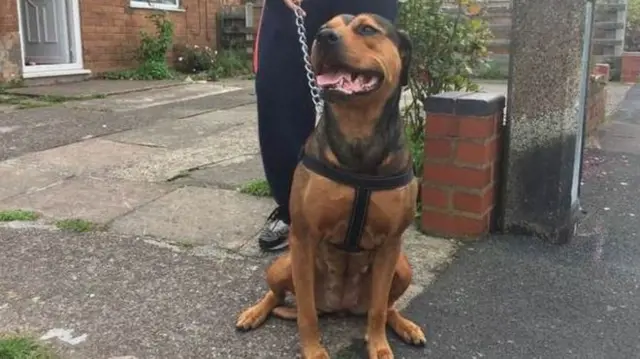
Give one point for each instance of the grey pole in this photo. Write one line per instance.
(544, 128)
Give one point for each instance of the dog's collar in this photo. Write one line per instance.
(363, 186)
(359, 181)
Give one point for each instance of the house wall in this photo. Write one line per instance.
(111, 30)
(10, 51)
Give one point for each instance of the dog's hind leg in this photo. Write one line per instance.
(285, 312)
(406, 329)
(279, 279)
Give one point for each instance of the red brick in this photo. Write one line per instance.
(435, 197)
(630, 67)
(477, 203)
(439, 125)
(449, 225)
(477, 153)
(111, 45)
(438, 149)
(478, 127)
(452, 175)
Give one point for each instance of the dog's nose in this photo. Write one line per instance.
(328, 36)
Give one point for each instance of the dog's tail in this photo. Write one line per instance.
(285, 312)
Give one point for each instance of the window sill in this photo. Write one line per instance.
(144, 5)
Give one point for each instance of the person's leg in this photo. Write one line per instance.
(286, 114)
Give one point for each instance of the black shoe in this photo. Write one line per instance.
(274, 235)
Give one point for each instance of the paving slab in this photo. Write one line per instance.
(92, 199)
(231, 174)
(235, 142)
(185, 132)
(616, 93)
(85, 157)
(17, 180)
(92, 88)
(7, 108)
(199, 216)
(44, 128)
(152, 98)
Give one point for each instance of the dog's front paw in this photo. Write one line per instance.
(315, 353)
(251, 318)
(380, 350)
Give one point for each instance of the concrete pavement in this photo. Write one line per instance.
(178, 259)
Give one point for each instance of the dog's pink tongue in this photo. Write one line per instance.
(341, 81)
(330, 78)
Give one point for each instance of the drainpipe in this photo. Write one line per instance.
(584, 99)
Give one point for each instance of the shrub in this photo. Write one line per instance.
(449, 40)
(154, 47)
(193, 59)
(151, 54)
(230, 63)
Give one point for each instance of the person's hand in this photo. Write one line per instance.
(293, 4)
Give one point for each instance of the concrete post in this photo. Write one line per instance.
(543, 127)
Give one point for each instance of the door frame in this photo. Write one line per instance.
(74, 68)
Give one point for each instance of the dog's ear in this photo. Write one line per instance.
(404, 47)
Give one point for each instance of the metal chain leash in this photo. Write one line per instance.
(311, 78)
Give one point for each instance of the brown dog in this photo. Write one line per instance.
(355, 181)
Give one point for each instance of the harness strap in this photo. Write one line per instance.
(363, 185)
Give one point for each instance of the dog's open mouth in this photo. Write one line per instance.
(348, 82)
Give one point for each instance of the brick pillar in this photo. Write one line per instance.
(630, 72)
(461, 149)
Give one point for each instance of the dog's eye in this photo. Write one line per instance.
(367, 30)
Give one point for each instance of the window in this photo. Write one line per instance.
(156, 4)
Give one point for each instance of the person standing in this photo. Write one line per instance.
(286, 113)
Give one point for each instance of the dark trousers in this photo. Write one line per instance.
(286, 114)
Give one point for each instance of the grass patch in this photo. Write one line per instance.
(258, 188)
(17, 215)
(146, 72)
(22, 347)
(76, 225)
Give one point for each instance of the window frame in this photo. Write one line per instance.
(144, 4)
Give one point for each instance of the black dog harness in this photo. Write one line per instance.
(363, 186)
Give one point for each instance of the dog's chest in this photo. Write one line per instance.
(329, 209)
(343, 279)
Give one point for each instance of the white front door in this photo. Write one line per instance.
(46, 32)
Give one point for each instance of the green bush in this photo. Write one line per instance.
(193, 59)
(449, 40)
(154, 47)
